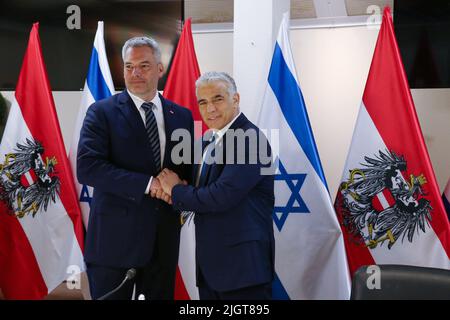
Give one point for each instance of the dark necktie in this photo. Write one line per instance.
(152, 132)
(209, 154)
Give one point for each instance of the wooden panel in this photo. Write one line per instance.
(302, 9)
(359, 7)
(209, 11)
(219, 11)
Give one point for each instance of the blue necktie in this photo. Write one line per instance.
(210, 151)
(207, 162)
(152, 132)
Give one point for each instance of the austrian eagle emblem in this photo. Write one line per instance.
(380, 203)
(28, 183)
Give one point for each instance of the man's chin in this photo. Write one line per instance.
(139, 91)
(136, 90)
(215, 125)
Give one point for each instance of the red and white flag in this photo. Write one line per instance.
(388, 203)
(41, 232)
(180, 88)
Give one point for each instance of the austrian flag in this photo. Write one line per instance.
(388, 203)
(41, 233)
(180, 88)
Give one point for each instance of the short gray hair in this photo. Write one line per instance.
(213, 76)
(142, 42)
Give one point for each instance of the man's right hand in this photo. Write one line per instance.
(154, 187)
(156, 191)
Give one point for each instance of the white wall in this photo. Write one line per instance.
(67, 105)
(332, 66)
(214, 51)
(433, 110)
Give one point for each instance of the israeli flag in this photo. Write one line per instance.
(98, 85)
(310, 260)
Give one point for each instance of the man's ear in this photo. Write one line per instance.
(160, 69)
(236, 98)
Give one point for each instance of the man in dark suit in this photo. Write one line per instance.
(233, 199)
(124, 143)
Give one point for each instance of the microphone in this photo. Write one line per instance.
(131, 273)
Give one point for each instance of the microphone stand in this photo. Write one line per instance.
(131, 273)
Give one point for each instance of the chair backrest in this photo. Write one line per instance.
(400, 282)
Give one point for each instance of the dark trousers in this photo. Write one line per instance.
(258, 292)
(148, 281)
(104, 279)
(156, 280)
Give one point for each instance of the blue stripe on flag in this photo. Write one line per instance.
(292, 105)
(278, 291)
(95, 81)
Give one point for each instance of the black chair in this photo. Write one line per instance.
(400, 282)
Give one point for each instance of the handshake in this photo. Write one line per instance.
(162, 185)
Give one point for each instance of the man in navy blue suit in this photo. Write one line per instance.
(232, 197)
(124, 143)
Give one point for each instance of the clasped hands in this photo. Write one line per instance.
(162, 185)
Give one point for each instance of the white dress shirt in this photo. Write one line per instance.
(219, 135)
(159, 116)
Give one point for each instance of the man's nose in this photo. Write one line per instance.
(211, 107)
(136, 72)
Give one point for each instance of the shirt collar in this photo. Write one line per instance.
(139, 102)
(220, 133)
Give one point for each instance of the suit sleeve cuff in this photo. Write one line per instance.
(177, 200)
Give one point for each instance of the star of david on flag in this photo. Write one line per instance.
(310, 261)
(295, 203)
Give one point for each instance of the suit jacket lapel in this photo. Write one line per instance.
(137, 127)
(239, 122)
(131, 114)
(216, 168)
(170, 126)
(198, 166)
